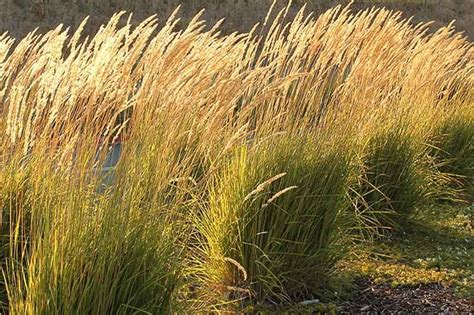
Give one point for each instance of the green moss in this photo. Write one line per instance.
(437, 247)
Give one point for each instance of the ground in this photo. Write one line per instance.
(427, 268)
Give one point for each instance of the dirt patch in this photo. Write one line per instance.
(425, 298)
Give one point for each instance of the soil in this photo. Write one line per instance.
(424, 298)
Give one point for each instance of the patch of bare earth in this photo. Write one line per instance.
(424, 298)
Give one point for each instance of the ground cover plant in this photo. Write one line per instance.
(251, 165)
(431, 262)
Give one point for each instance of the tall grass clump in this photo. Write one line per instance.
(238, 155)
(114, 244)
(15, 219)
(83, 248)
(452, 147)
(393, 177)
(275, 224)
(73, 251)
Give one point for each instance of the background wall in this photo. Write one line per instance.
(19, 17)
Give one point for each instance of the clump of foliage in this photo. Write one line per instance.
(65, 240)
(452, 147)
(276, 223)
(392, 182)
(202, 185)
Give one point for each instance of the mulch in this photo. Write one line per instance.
(424, 298)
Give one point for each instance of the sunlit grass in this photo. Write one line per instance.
(250, 162)
(276, 221)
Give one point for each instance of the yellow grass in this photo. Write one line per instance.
(183, 102)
